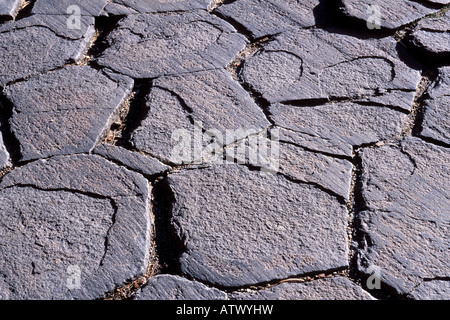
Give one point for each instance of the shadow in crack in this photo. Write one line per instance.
(169, 247)
(329, 16)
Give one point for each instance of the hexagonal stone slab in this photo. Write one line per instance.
(168, 287)
(50, 45)
(72, 227)
(432, 289)
(132, 160)
(241, 227)
(9, 9)
(268, 17)
(336, 127)
(315, 65)
(211, 99)
(337, 288)
(436, 123)
(433, 35)
(65, 7)
(66, 111)
(146, 46)
(393, 14)
(406, 224)
(121, 7)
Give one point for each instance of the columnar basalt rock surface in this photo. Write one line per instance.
(72, 213)
(437, 109)
(336, 288)
(224, 150)
(406, 222)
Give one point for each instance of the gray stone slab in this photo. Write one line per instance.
(432, 289)
(132, 160)
(406, 224)
(4, 154)
(433, 35)
(339, 125)
(210, 101)
(337, 288)
(436, 123)
(241, 227)
(310, 65)
(315, 142)
(294, 161)
(72, 216)
(9, 8)
(66, 111)
(393, 14)
(50, 44)
(66, 7)
(153, 45)
(168, 287)
(127, 7)
(268, 17)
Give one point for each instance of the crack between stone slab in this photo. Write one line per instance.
(104, 25)
(166, 247)
(128, 290)
(405, 31)
(308, 278)
(189, 112)
(311, 103)
(360, 239)
(316, 185)
(240, 28)
(25, 10)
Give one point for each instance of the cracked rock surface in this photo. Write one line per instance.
(9, 8)
(168, 287)
(437, 109)
(393, 14)
(337, 288)
(224, 149)
(81, 211)
(406, 221)
(212, 100)
(120, 7)
(244, 234)
(146, 45)
(65, 111)
(433, 35)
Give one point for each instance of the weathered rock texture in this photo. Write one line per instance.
(167, 287)
(406, 222)
(241, 227)
(146, 45)
(322, 289)
(72, 216)
(66, 111)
